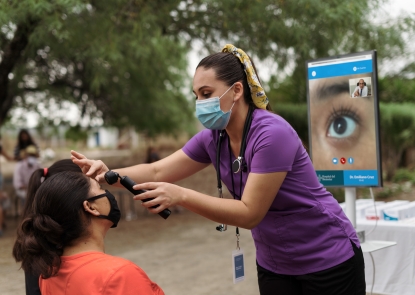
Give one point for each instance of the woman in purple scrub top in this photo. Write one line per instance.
(304, 242)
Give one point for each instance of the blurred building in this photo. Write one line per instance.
(113, 138)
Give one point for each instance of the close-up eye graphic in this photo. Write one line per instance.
(342, 123)
(342, 127)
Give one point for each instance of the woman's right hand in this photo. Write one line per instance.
(95, 169)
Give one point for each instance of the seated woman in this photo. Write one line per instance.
(62, 239)
(38, 176)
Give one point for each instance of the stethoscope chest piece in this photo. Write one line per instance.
(222, 227)
(236, 165)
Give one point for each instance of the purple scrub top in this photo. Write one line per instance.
(305, 230)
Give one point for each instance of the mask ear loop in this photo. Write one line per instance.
(227, 92)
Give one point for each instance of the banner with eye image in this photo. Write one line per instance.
(343, 117)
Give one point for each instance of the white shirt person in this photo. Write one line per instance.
(360, 90)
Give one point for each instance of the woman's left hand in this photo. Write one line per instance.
(164, 194)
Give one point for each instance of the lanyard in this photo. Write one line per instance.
(240, 179)
(237, 165)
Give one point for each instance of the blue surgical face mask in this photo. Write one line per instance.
(210, 115)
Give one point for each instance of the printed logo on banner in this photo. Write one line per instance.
(330, 177)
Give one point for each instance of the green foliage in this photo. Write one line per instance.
(398, 88)
(397, 123)
(403, 175)
(338, 193)
(296, 115)
(291, 32)
(124, 61)
(389, 192)
(111, 58)
(329, 28)
(76, 133)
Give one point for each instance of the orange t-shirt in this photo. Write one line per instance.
(93, 273)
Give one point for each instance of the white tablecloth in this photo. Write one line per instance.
(394, 266)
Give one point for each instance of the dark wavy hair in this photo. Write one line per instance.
(55, 220)
(229, 69)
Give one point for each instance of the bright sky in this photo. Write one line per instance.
(394, 7)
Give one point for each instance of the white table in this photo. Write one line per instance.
(372, 245)
(394, 264)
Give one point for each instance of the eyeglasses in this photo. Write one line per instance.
(362, 83)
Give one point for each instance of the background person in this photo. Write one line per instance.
(62, 239)
(24, 139)
(305, 243)
(23, 170)
(361, 89)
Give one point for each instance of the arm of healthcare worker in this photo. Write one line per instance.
(259, 192)
(173, 168)
(258, 195)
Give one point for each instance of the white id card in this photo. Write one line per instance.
(238, 266)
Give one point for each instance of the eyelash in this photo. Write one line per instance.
(343, 111)
(205, 95)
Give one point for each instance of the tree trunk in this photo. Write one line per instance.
(12, 52)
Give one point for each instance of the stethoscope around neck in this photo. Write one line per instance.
(238, 164)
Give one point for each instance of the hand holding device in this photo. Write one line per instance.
(111, 177)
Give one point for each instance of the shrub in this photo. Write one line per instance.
(397, 126)
(296, 115)
(402, 175)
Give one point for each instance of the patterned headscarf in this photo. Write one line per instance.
(257, 92)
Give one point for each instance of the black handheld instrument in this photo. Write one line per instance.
(111, 177)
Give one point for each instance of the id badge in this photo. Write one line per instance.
(238, 266)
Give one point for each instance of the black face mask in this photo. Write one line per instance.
(115, 213)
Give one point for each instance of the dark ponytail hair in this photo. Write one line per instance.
(54, 222)
(229, 69)
(39, 175)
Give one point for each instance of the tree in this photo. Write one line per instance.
(111, 58)
(125, 60)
